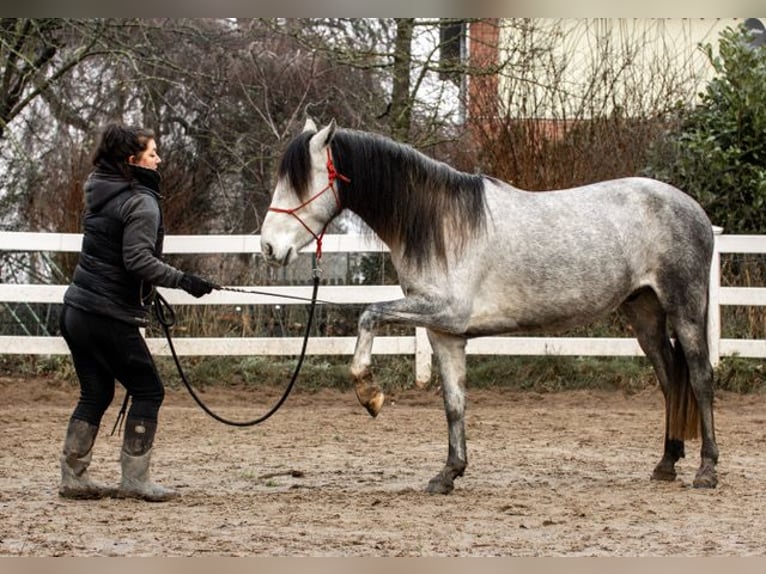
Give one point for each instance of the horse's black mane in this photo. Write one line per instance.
(408, 199)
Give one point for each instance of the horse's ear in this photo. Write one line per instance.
(323, 137)
(309, 126)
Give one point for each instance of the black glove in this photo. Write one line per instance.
(196, 286)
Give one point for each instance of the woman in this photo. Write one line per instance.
(106, 304)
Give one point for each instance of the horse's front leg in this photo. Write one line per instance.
(367, 391)
(412, 310)
(450, 353)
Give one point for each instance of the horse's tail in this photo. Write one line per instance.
(683, 412)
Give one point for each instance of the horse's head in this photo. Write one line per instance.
(305, 198)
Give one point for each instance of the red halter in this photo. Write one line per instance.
(332, 175)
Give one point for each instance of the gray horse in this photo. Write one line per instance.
(476, 256)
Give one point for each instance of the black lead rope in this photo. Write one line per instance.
(167, 318)
(121, 414)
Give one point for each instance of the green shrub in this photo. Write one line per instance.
(716, 151)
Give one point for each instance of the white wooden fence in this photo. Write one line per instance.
(416, 344)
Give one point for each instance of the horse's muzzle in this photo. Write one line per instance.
(267, 250)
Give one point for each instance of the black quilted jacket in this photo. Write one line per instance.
(119, 261)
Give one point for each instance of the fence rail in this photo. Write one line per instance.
(416, 344)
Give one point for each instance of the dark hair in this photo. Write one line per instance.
(117, 144)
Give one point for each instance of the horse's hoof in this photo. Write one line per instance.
(369, 396)
(664, 473)
(664, 476)
(706, 478)
(374, 405)
(438, 485)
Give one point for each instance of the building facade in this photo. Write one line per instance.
(579, 68)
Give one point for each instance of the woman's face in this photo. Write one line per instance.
(147, 158)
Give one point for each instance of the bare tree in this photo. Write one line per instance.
(420, 103)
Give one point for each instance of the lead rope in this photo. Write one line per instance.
(161, 304)
(167, 318)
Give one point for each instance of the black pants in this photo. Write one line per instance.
(105, 349)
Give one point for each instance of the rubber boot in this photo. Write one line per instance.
(75, 459)
(135, 459)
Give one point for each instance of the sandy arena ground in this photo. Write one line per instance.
(549, 475)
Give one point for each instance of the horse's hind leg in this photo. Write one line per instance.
(648, 320)
(450, 353)
(691, 335)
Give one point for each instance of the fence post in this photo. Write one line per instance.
(714, 305)
(423, 353)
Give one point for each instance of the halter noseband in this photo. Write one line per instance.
(332, 175)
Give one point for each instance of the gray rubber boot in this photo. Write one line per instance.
(75, 459)
(135, 459)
